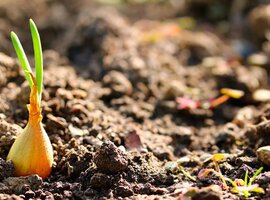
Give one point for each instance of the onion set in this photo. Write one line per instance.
(32, 152)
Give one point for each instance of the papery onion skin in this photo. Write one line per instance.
(32, 152)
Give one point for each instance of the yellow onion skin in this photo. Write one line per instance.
(32, 152)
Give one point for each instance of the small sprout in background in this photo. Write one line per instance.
(185, 103)
(176, 167)
(236, 94)
(227, 93)
(245, 187)
(215, 159)
(239, 186)
(205, 172)
(32, 152)
(218, 101)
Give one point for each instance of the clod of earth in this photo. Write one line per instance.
(6, 169)
(212, 192)
(18, 184)
(110, 159)
(99, 180)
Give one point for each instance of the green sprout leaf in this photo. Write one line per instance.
(219, 157)
(233, 93)
(175, 166)
(231, 182)
(22, 57)
(246, 179)
(38, 56)
(255, 176)
(258, 190)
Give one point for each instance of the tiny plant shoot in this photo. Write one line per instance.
(32, 152)
(239, 186)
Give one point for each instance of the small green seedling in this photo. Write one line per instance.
(176, 167)
(216, 158)
(239, 186)
(245, 187)
(185, 103)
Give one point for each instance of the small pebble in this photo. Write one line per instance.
(263, 154)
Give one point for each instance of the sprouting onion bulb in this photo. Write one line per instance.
(32, 152)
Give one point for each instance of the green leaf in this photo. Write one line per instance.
(219, 156)
(22, 57)
(246, 194)
(246, 178)
(258, 190)
(255, 175)
(38, 56)
(231, 181)
(233, 93)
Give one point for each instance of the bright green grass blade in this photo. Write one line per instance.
(255, 175)
(38, 56)
(22, 57)
(231, 181)
(246, 178)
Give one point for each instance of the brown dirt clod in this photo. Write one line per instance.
(110, 159)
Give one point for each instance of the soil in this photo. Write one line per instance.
(112, 74)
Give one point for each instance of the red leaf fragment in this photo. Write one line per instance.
(133, 141)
